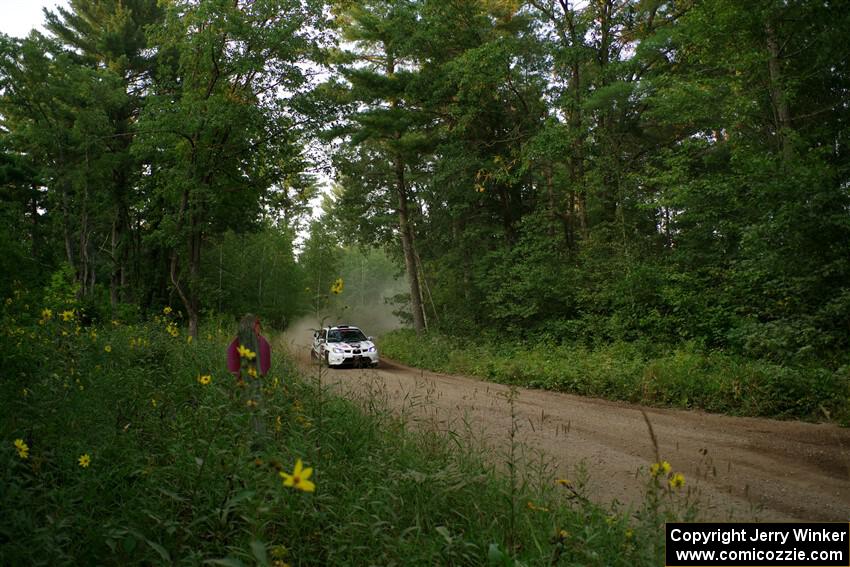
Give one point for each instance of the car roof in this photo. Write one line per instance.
(342, 327)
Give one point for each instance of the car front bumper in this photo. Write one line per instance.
(352, 358)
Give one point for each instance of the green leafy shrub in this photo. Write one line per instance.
(684, 377)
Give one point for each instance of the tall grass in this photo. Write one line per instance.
(178, 474)
(683, 377)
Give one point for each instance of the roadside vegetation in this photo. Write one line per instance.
(639, 373)
(128, 443)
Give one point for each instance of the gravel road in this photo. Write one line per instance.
(742, 468)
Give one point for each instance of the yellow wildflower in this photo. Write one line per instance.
(107, 348)
(563, 534)
(660, 468)
(251, 403)
(563, 482)
(337, 286)
(166, 310)
(46, 314)
(252, 372)
(246, 353)
(279, 551)
(22, 448)
(629, 533)
(84, 460)
(205, 379)
(153, 402)
(532, 506)
(677, 480)
(299, 478)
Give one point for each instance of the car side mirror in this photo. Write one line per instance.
(369, 338)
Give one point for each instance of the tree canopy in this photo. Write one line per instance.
(549, 170)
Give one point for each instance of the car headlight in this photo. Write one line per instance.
(372, 349)
(337, 350)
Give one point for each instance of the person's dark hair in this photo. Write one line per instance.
(247, 334)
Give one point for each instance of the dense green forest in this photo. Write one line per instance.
(572, 172)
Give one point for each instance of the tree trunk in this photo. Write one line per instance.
(777, 94)
(115, 279)
(120, 230)
(570, 227)
(407, 247)
(405, 229)
(66, 227)
(35, 233)
(188, 296)
(578, 197)
(195, 239)
(550, 195)
(83, 273)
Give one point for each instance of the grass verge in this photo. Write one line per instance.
(129, 444)
(683, 378)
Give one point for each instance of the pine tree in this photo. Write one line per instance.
(387, 128)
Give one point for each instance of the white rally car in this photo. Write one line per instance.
(344, 344)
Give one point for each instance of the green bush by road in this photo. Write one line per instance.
(681, 377)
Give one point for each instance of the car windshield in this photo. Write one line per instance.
(346, 336)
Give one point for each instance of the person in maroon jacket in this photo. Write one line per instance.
(249, 350)
(248, 359)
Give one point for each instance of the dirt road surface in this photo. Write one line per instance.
(743, 468)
